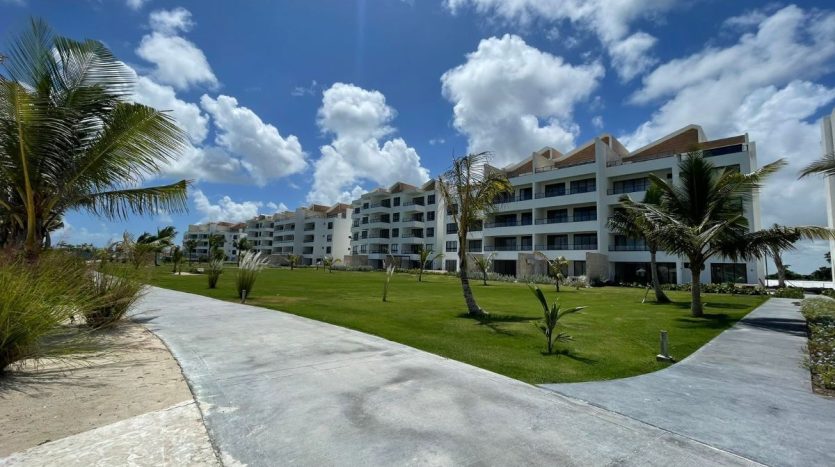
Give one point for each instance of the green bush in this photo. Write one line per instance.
(828, 293)
(214, 272)
(115, 291)
(37, 304)
(788, 292)
(820, 317)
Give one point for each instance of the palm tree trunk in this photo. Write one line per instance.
(660, 296)
(472, 306)
(781, 269)
(696, 308)
(420, 274)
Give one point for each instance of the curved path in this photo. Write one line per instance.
(746, 392)
(278, 389)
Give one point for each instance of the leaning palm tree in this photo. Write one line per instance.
(190, 245)
(556, 267)
(703, 216)
(159, 242)
(824, 166)
(426, 256)
(483, 263)
(71, 139)
(781, 238)
(634, 224)
(470, 188)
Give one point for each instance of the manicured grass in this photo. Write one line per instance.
(616, 336)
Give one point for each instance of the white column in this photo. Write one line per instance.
(828, 147)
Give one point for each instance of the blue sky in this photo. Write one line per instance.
(291, 102)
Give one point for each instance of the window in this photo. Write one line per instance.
(356, 236)
(356, 210)
(430, 199)
(579, 268)
(395, 217)
(474, 245)
(450, 265)
(365, 205)
(395, 233)
(588, 213)
(394, 247)
(556, 189)
(363, 249)
(452, 245)
(721, 273)
(556, 242)
(629, 186)
(451, 228)
(430, 232)
(328, 250)
(330, 225)
(329, 238)
(430, 216)
(397, 201)
(583, 186)
(585, 241)
(364, 234)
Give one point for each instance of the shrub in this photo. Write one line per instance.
(820, 317)
(215, 270)
(576, 282)
(551, 317)
(788, 292)
(828, 293)
(115, 291)
(389, 273)
(251, 264)
(37, 302)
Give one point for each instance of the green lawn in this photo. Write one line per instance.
(614, 337)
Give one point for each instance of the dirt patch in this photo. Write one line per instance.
(59, 399)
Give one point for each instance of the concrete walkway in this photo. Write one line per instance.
(745, 392)
(280, 389)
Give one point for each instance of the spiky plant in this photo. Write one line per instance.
(389, 274)
(556, 267)
(483, 264)
(329, 261)
(292, 260)
(251, 264)
(426, 256)
(551, 318)
(116, 291)
(214, 272)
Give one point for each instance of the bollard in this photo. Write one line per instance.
(664, 356)
(243, 296)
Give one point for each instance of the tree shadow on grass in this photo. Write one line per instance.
(708, 320)
(495, 322)
(706, 304)
(569, 354)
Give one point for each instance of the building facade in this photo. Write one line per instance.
(201, 233)
(311, 233)
(560, 206)
(828, 149)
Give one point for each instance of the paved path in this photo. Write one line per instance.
(745, 392)
(278, 389)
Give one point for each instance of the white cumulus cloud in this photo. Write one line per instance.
(359, 120)
(227, 209)
(513, 99)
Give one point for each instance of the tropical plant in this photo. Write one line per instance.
(216, 242)
(389, 270)
(784, 238)
(242, 245)
(551, 318)
(634, 224)
(470, 187)
(163, 239)
(190, 246)
(824, 166)
(116, 290)
(71, 139)
(329, 261)
(483, 264)
(37, 301)
(426, 256)
(703, 216)
(177, 259)
(556, 267)
(215, 270)
(251, 264)
(293, 260)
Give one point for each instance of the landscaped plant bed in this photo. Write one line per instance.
(820, 318)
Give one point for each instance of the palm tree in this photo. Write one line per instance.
(329, 261)
(242, 245)
(634, 224)
(157, 243)
(177, 259)
(292, 260)
(483, 263)
(825, 166)
(70, 138)
(556, 267)
(426, 256)
(469, 189)
(703, 216)
(190, 245)
(782, 235)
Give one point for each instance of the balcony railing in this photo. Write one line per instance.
(514, 223)
(564, 219)
(567, 246)
(628, 248)
(638, 187)
(412, 235)
(512, 199)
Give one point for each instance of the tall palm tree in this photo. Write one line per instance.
(426, 256)
(70, 138)
(159, 242)
(634, 224)
(216, 242)
(242, 245)
(190, 246)
(778, 236)
(469, 189)
(556, 267)
(703, 217)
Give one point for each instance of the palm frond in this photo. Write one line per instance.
(118, 204)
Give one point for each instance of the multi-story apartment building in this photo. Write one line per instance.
(200, 233)
(312, 233)
(396, 222)
(560, 206)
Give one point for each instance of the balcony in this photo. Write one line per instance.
(632, 188)
(551, 194)
(513, 247)
(412, 235)
(628, 248)
(564, 219)
(512, 199)
(514, 223)
(567, 246)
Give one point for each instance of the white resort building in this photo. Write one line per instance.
(828, 149)
(200, 233)
(560, 206)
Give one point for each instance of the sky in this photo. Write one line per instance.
(287, 103)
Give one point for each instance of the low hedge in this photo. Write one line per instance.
(820, 317)
(788, 292)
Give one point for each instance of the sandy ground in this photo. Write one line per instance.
(59, 399)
